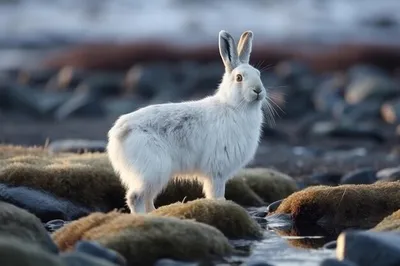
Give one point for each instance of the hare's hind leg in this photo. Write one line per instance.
(135, 200)
(214, 188)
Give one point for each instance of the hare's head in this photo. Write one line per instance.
(241, 82)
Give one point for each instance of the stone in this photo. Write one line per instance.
(390, 111)
(328, 94)
(170, 262)
(345, 206)
(66, 79)
(326, 178)
(364, 247)
(375, 88)
(273, 206)
(96, 250)
(330, 245)
(363, 111)
(77, 146)
(35, 77)
(364, 175)
(102, 84)
(54, 225)
(334, 262)
(389, 174)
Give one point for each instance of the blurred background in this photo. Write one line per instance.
(69, 68)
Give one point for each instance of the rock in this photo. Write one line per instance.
(291, 71)
(327, 178)
(35, 102)
(119, 106)
(375, 88)
(19, 224)
(35, 77)
(142, 239)
(45, 206)
(82, 259)
(269, 184)
(363, 111)
(389, 174)
(240, 192)
(364, 247)
(360, 71)
(94, 249)
(66, 79)
(330, 245)
(226, 216)
(389, 223)
(334, 262)
(54, 225)
(334, 130)
(346, 206)
(365, 175)
(257, 262)
(170, 262)
(328, 94)
(273, 206)
(82, 103)
(77, 146)
(390, 111)
(102, 84)
(86, 179)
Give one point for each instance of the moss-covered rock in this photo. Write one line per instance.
(227, 216)
(18, 223)
(389, 223)
(142, 239)
(360, 206)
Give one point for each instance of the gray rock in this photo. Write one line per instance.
(334, 262)
(35, 77)
(66, 79)
(328, 178)
(375, 88)
(82, 259)
(101, 85)
(366, 248)
(328, 94)
(171, 262)
(389, 174)
(96, 250)
(273, 206)
(77, 146)
(330, 245)
(360, 71)
(363, 111)
(390, 111)
(360, 176)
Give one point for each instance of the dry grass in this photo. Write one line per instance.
(19, 223)
(389, 223)
(360, 206)
(227, 216)
(142, 239)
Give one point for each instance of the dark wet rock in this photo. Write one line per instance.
(35, 102)
(363, 111)
(330, 245)
(35, 77)
(360, 176)
(360, 71)
(171, 262)
(291, 71)
(5, 87)
(327, 178)
(328, 94)
(334, 262)
(82, 259)
(66, 79)
(118, 106)
(273, 206)
(371, 88)
(54, 225)
(335, 130)
(80, 104)
(364, 247)
(258, 211)
(389, 174)
(101, 85)
(258, 262)
(77, 146)
(96, 250)
(307, 122)
(274, 133)
(44, 205)
(390, 111)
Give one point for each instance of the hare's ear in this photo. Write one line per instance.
(227, 50)
(244, 46)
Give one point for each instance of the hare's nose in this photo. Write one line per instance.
(257, 90)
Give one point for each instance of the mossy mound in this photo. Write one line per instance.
(86, 179)
(227, 216)
(389, 223)
(142, 239)
(19, 223)
(360, 206)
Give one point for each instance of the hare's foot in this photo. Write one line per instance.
(136, 201)
(214, 188)
(150, 203)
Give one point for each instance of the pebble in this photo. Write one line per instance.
(328, 178)
(273, 206)
(364, 247)
(330, 245)
(54, 225)
(360, 176)
(77, 146)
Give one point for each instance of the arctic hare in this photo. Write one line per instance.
(211, 138)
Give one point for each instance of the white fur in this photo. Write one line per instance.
(211, 138)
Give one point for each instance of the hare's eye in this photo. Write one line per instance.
(239, 78)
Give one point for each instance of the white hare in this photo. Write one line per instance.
(211, 138)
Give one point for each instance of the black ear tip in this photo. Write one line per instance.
(248, 34)
(224, 34)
